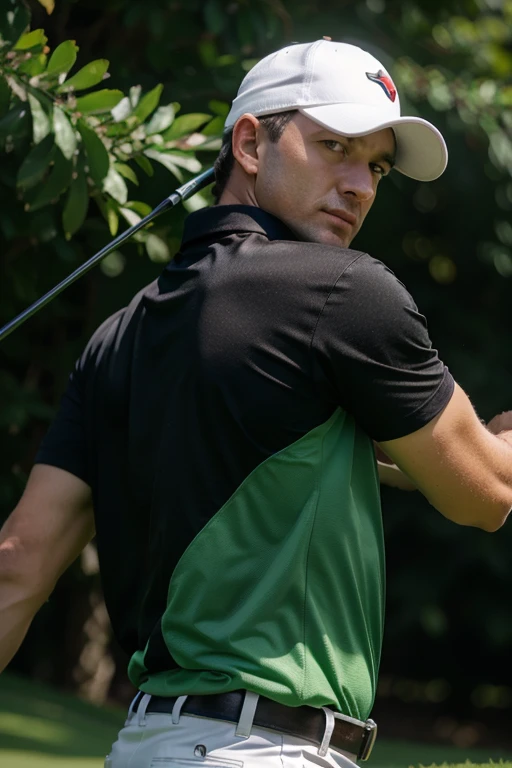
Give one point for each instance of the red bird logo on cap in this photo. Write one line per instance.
(384, 81)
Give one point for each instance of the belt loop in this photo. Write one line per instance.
(247, 714)
(130, 708)
(141, 710)
(176, 710)
(329, 728)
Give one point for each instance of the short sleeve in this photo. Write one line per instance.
(64, 445)
(373, 355)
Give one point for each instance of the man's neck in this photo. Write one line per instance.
(233, 196)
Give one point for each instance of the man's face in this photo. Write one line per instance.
(319, 183)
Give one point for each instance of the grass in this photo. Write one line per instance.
(42, 728)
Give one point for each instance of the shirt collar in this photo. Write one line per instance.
(233, 218)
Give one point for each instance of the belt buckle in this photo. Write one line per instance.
(367, 740)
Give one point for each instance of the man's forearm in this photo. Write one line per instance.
(390, 474)
(19, 603)
(17, 613)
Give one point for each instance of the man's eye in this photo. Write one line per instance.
(336, 146)
(379, 170)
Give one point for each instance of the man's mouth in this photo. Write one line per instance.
(341, 218)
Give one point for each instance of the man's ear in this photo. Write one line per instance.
(245, 142)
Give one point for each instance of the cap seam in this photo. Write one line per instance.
(310, 55)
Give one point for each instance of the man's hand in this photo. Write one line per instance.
(50, 526)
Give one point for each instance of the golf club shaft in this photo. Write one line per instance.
(185, 191)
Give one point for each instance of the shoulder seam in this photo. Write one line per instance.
(347, 266)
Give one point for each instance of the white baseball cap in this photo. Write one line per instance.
(346, 90)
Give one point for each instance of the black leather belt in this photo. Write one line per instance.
(307, 723)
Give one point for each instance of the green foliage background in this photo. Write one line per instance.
(121, 144)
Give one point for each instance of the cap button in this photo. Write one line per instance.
(327, 38)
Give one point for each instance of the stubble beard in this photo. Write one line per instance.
(321, 236)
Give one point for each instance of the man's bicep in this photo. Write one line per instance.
(450, 459)
(50, 525)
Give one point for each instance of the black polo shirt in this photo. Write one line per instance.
(248, 342)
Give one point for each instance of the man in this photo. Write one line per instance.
(221, 429)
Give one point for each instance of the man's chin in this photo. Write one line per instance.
(342, 241)
(321, 236)
(326, 237)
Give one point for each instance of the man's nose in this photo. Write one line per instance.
(357, 180)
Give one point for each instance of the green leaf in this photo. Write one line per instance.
(188, 162)
(41, 123)
(157, 249)
(112, 217)
(36, 163)
(166, 161)
(161, 120)
(144, 163)
(139, 207)
(195, 203)
(5, 97)
(134, 94)
(31, 40)
(115, 185)
(148, 103)
(212, 144)
(504, 96)
(127, 172)
(131, 217)
(90, 75)
(97, 156)
(220, 108)
(114, 130)
(77, 203)
(65, 136)
(184, 125)
(63, 58)
(99, 101)
(36, 65)
(113, 264)
(18, 88)
(56, 183)
(215, 127)
(122, 110)
(108, 208)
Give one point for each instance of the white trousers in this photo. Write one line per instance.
(155, 740)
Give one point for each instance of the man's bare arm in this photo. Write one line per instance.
(45, 533)
(459, 465)
(390, 474)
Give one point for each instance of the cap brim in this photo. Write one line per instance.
(421, 149)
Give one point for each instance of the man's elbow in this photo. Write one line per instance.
(487, 517)
(486, 508)
(493, 523)
(495, 515)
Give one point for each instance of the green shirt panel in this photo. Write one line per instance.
(282, 591)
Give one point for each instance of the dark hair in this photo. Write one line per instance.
(273, 124)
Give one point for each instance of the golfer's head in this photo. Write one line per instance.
(313, 130)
